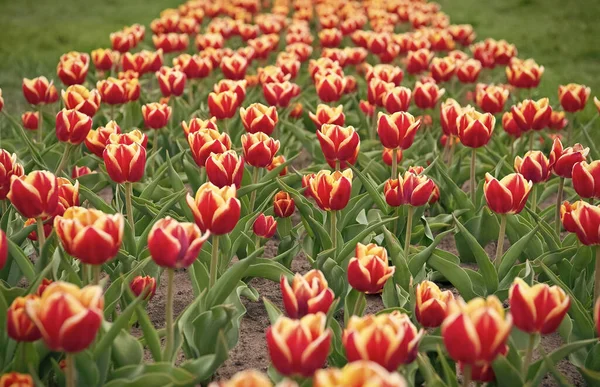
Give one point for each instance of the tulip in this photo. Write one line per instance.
(238, 87)
(75, 327)
(397, 130)
(112, 91)
(397, 99)
(194, 66)
(19, 326)
(259, 149)
(283, 205)
(573, 97)
(78, 97)
(299, 347)
(43, 285)
(31, 120)
(206, 141)
(367, 108)
(307, 294)
(125, 163)
(47, 228)
(449, 112)
(442, 69)
(234, 67)
(326, 114)
(171, 81)
(156, 115)
(1, 101)
(15, 379)
(585, 218)
(534, 166)
(385, 72)
(8, 168)
(331, 190)
(411, 189)
(566, 215)
(96, 140)
(506, 196)
(586, 179)
(171, 42)
(251, 378)
(122, 41)
(72, 126)
(68, 195)
(175, 245)
(34, 195)
(491, 98)
(223, 105)
(196, 124)
(358, 373)
(468, 71)
(215, 209)
(597, 316)
(468, 328)
(510, 126)
(340, 145)
(77, 172)
(524, 74)
(280, 94)
(209, 40)
(38, 91)
(426, 95)
(73, 67)
(264, 226)
(330, 87)
(368, 270)
(104, 59)
(531, 114)
(431, 306)
(557, 120)
(259, 118)
(396, 338)
(418, 61)
(225, 169)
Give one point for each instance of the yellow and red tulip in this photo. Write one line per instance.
(259, 118)
(197, 123)
(8, 167)
(396, 337)
(397, 130)
(557, 120)
(194, 66)
(97, 139)
(411, 189)
(283, 205)
(442, 69)
(573, 97)
(72, 126)
(339, 144)
(586, 179)
(566, 215)
(510, 126)
(125, 161)
(234, 67)
(15, 379)
(259, 149)
(299, 347)
(215, 209)
(48, 227)
(264, 226)
(330, 37)
(418, 61)
(77, 172)
(112, 90)
(39, 91)
(385, 72)
(171, 81)
(223, 105)
(397, 99)
(368, 270)
(104, 59)
(78, 97)
(426, 95)
(449, 112)
(307, 294)
(238, 87)
(377, 89)
(330, 87)
(331, 190)
(525, 74)
(491, 98)
(586, 221)
(225, 169)
(206, 141)
(73, 67)
(534, 166)
(532, 115)
(475, 128)
(326, 114)
(31, 120)
(171, 42)
(250, 378)
(468, 71)
(386, 156)
(562, 159)
(145, 285)
(34, 195)
(462, 33)
(68, 317)
(122, 41)
(19, 326)
(358, 373)
(156, 115)
(68, 195)
(431, 306)
(508, 195)
(175, 245)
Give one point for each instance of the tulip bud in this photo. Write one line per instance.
(104, 59)
(413, 189)
(264, 226)
(539, 308)
(557, 120)
(43, 285)
(418, 61)
(531, 114)
(112, 91)
(449, 111)
(534, 166)
(586, 220)
(431, 307)
(368, 270)
(397, 339)
(331, 190)
(562, 159)
(96, 140)
(171, 81)
(358, 373)
(73, 67)
(234, 67)
(156, 115)
(468, 71)
(524, 73)
(196, 124)
(19, 326)
(34, 195)
(259, 118)
(72, 126)
(339, 144)
(510, 126)
(283, 205)
(474, 128)
(47, 228)
(78, 97)
(215, 209)
(225, 169)
(15, 379)
(280, 94)
(367, 108)
(204, 142)
(77, 172)
(426, 95)
(39, 91)
(327, 115)
(491, 98)
(507, 196)
(259, 149)
(397, 130)
(68, 195)
(397, 99)
(468, 327)
(573, 97)
(31, 120)
(307, 294)
(223, 105)
(299, 347)
(75, 328)
(124, 162)
(175, 245)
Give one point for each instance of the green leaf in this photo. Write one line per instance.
(376, 195)
(513, 253)
(143, 239)
(506, 374)
(350, 245)
(21, 260)
(355, 304)
(538, 369)
(96, 201)
(150, 334)
(268, 269)
(417, 261)
(177, 185)
(453, 273)
(35, 155)
(229, 281)
(272, 311)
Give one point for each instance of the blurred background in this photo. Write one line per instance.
(560, 35)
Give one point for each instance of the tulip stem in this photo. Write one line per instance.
(112, 112)
(501, 234)
(64, 159)
(409, 221)
(394, 164)
(472, 180)
(40, 135)
(561, 185)
(128, 206)
(4, 207)
(255, 171)
(528, 354)
(396, 215)
(40, 233)
(169, 314)
(96, 270)
(451, 152)
(597, 275)
(214, 261)
(226, 125)
(70, 370)
(531, 140)
(334, 231)
(534, 199)
(466, 375)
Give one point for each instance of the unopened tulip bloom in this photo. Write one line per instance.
(573, 97)
(367, 108)
(143, 285)
(331, 190)
(175, 245)
(77, 172)
(397, 99)
(358, 373)
(449, 112)
(397, 130)
(215, 209)
(531, 114)
(557, 120)
(280, 94)
(474, 128)
(562, 159)
(48, 227)
(431, 307)
(19, 326)
(368, 270)
(326, 114)
(15, 379)
(8, 167)
(196, 124)
(171, 81)
(225, 169)
(491, 98)
(259, 149)
(259, 118)
(156, 115)
(283, 204)
(418, 61)
(539, 308)
(125, 162)
(468, 328)
(442, 69)
(104, 59)
(468, 71)
(586, 179)
(39, 91)
(206, 141)
(339, 144)
(510, 126)
(68, 195)
(72, 126)
(377, 89)
(264, 226)
(385, 72)
(506, 196)
(411, 189)
(330, 87)
(31, 120)
(426, 95)
(386, 156)
(78, 97)
(97, 139)
(90, 235)
(34, 195)
(524, 74)
(307, 294)
(223, 105)
(396, 337)
(586, 219)
(534, 166)
(299, 347)
(234, 67)
(112, 91)
(75, 328)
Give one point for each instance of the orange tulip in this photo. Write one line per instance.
(573, 97)
(299, 347)
(339, 144)
(68, 317)
(326, 114)
(534, 166)
(368, 270)
(175, 245)
(15, 379)
(431, 307)
(215, 209)
(476, 332)
(96, 140)
(387, 339)
(156, 115)
(283, 204)
(259, 149)
(491, 98)
(307, 294)
(34, 195)
(225, 169)
(506, 196)
(562, 159)
(331, 190)
(259, 118)
(524, 73)
(539, 308)
(206, 141)
(531, 114)
(474, 128)
(397, 130)
(358, 373)
(19, 326)
(426, 95)
(8, 168)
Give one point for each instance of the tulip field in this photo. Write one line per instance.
(300, 193)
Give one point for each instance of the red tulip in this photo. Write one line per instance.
(225, 169)
(72, 126)
(413, 189)
(331, 190)
(562, 159)
(223, 105)
(339, 144)
(474, 128)
(307, 294)
(573, 97)
(173, 244)
(34, 195)
(264, 226)
(397, 130)
(156, 115)
(531, 114)
(468, 71)
(442, 69)
(259, 118)
(534, 166)
(426, 95)
(449, 112)
(78, 97)
(19, 326)
(507, 196)
(358, 373)
(397, 99)
(96, 140)
(491, 98)
(524, 73)
(31, 120)
(431, 307)
(259, 149)
(283, 205)
(368, 270)
(112, 91)
(215, 209)
(586, 179)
